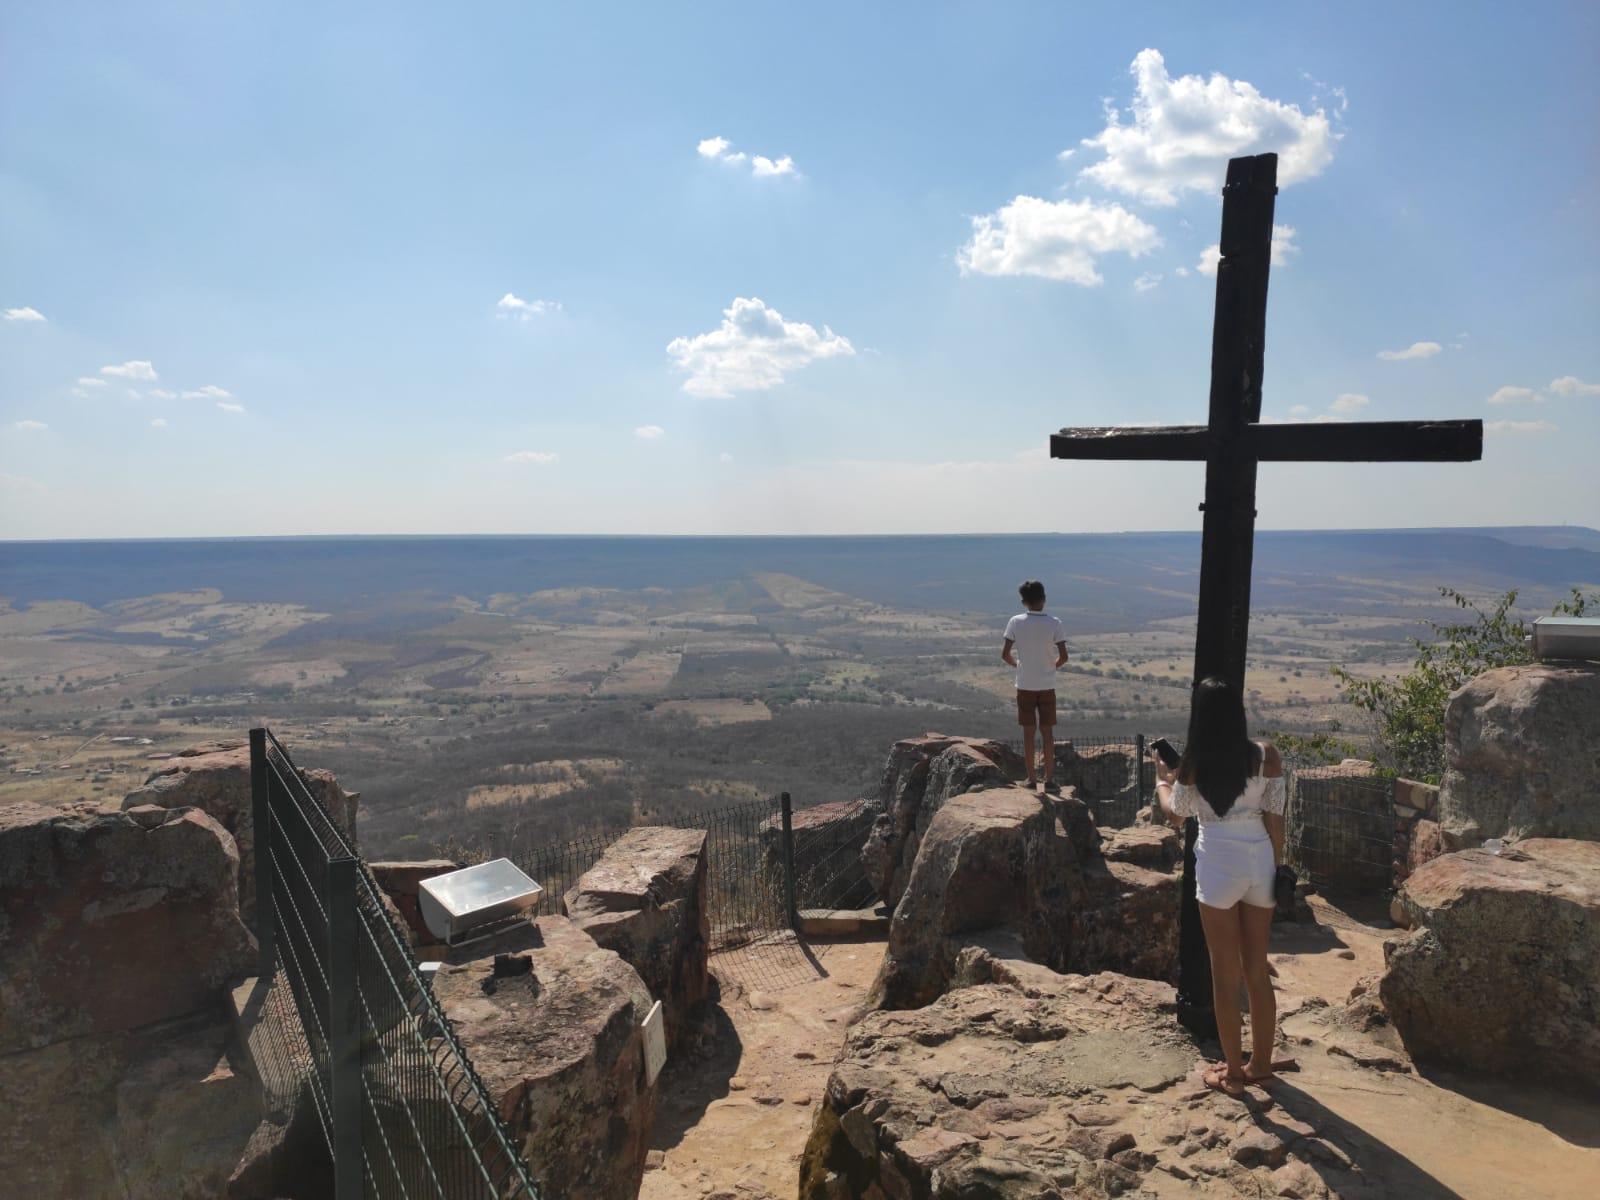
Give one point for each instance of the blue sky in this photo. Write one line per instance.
(443, 268)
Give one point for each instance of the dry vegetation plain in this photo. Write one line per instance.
(548, 713)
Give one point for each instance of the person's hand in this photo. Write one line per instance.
(1164, 773)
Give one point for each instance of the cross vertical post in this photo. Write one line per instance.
(1238, 349)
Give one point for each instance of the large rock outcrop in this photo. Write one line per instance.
(401, 883)
(920, 775)
(215, 778)
(119, 933)
(646, 899)
(828, 840)
(1501, 972)
(1003, 866)
(1060, 1086)
(111, 921)
(1105, 777)
(552, 1026)
(1522, 756)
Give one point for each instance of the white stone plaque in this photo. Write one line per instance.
(655, 1043)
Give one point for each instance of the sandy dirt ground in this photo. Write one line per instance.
(736, 1109)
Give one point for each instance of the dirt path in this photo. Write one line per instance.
(733, 1119)
(736, 1112)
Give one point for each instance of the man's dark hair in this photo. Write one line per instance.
(1031, 591)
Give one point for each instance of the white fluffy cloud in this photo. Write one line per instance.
(1415, 350)
(31, 426)
(752, 350)
(23, 314)
(512, 305)
(1181, 132)
(136, 369)
(1349, 402)
(1149, 281)
(536, 457)
(649, 432)
(1515, 395)
(1283, 249)
(1571, 385)
(720, 149)
(1053, 239)
(1518, 427)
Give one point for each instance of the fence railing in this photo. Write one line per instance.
(360, 1033)
(744, 897)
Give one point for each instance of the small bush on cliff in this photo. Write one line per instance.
(1409, 711)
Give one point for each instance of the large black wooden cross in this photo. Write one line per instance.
(1231, 443)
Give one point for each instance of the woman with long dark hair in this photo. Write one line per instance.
(1234, 788)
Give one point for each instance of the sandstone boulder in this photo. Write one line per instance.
(1520, 756)
(646, 899)
(1501, 972)
(215, 778)
(1003, 862)
(111, 921)
(1105, 778)
(1075, 1086)
(553, 1030)
(920, 775)
(1343, 835)
(828, 840)
(401, 881)
(159, 1113)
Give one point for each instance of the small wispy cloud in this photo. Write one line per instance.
(230, 406)
(1518, 427)
(538, 458)
(1571, 385)
(725, 457)
(136, 369)
(209, 391)
(1515, 395)
(720, 149)
(28, 426)
(649, 432)
(158, 423)
(1413, 351)
(514, 306)
(1349, 402)
(158, 393)
(23, 314)
(91, 381)
(1149, 281)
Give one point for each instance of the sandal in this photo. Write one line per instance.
(1218, 1078)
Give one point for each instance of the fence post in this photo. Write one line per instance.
(261, 815)
(790, 905)
(344, 1030)
(1138, 773)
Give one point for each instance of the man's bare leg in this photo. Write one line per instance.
(1028, 753)
(1047, 738)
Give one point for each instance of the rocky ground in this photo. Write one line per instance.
(736, 1111)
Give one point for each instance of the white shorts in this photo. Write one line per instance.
(1234, 864)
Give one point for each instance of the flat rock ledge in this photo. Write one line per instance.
(552, 1025)
(1501, 972)
(1068, 1086)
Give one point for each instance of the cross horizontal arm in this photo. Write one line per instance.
(1331, 441)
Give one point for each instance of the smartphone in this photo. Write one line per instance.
(1167, 752)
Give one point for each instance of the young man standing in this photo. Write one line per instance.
(1036, 646)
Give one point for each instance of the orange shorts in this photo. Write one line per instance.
(1036, 708)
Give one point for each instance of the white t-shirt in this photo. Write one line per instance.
(1035, 635)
